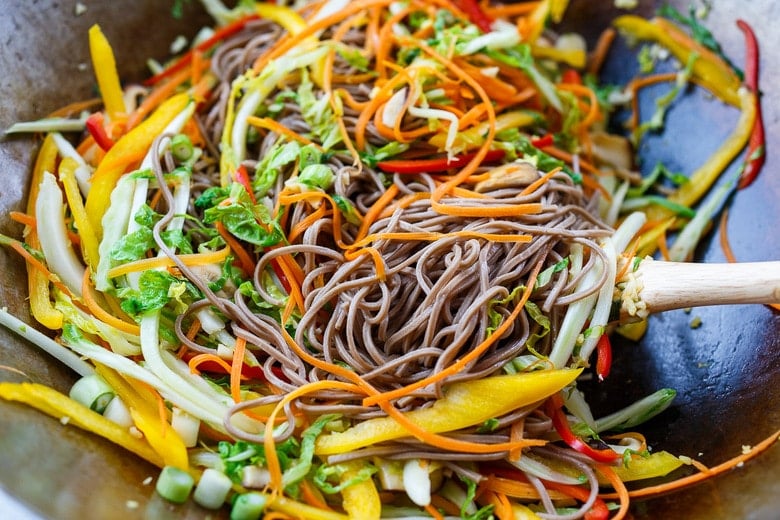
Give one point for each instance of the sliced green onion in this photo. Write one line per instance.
(641, 202)
(212, 489)
(181, 147)
(174, 485)
(93, 392)
(637, 413)
(117, 412)
(248, 506)
(51, 124)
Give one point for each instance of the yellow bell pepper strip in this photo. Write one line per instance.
(639, 467)
(160, 435)
(296, 509)
(127, 150)
(475, 136)
(464, 404)
(700, 181)
(89, 242)
(361, 499)
(60, 406)
(104, 64)
(41, 306)
(536, 21)
(521, 512)
(709, 69)
(574, 57)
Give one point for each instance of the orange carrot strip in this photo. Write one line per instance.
(23, 218)
(199, 359)
(599, 54)
(433, 512)
(89, 299)
(235, 369)
(274, 126)
(376, 209)
(247, 264)
(620, 487)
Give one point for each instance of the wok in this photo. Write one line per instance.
(727, 371)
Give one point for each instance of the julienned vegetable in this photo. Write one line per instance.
(346, 262)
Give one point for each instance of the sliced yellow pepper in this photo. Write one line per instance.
(658, 464)
(106, 74)
(296, 509)
(89, 241)
(521, 512)
(41, 306)
(162, 437)
(464, 404)
(703, 178)
(708, 68)
(129, 149)
(574, 57)
(536, 21)
(60, 406)
(360, 500)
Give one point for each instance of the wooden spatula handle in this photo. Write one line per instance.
(678, 285)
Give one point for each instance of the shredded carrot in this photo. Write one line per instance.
(156, 97)
(235, 370)
(244, 258)
(429, 236)
(725, 245)
(199, 359)
(375, 210)
(312, 497)
(594, 113)
(620, 487)
(89, 299)
(306, 223)
(23, 218)
(37, 264)
(568, 158)
(639, 83)
(145, 264)
(600, 51)
(539, 182)
(431, 510)
(76, 108)
(509, 10)
(276, 127)
(662, 247)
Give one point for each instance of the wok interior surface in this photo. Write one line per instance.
(726, 371)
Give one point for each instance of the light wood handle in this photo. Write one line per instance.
(678, 285)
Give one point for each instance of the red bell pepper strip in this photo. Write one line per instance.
(571, 76)
(603, 357)
(96, 129)
(543, 142)
(756, 153)
(475, 13)
(220, 34)
(242, 177)
(554, 410)
(441, 164)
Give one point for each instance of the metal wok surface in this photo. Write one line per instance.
(726, 372)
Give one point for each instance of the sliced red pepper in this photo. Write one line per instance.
(475, 13)
(756, 153)
(241, 176)
(439, 164)
(543, 142)
(554, 409)
(571, 76)
(219, 35)
(96, 129)
(603, 357)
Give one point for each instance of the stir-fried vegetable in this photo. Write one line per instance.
(349, 259)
